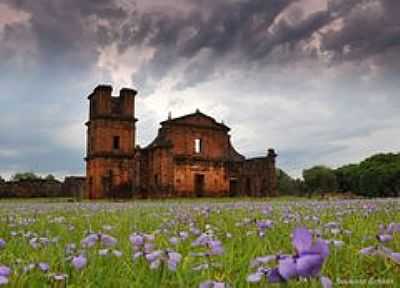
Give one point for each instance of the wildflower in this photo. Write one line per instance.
(79, 262)
(104, 239)
(262, 260)
(174, 259)
(171, 258)
(44, 267)
(384, 238)
(215, 248)
(212, 284)
(136, 240)
(306, 263)
(2, 243)
(3, 280)
(4, 274)
(174, 240)
(90, 240)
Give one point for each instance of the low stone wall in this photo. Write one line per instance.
(71, 187)
(74, 186)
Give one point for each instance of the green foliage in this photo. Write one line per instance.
(377, 176)
(319, 179)
(50, 177)
(24, 176)
(287, 185)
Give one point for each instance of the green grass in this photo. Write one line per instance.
(168, 217)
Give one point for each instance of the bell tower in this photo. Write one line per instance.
(111, 130)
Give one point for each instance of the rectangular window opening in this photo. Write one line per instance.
(116, 143)
(197, 146)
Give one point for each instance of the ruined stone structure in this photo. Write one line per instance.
(31, 188)
(110, 165)
(192, 156)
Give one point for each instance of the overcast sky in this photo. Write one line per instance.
(317, 80)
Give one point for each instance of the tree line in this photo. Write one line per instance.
(376, 176)
(25, 176)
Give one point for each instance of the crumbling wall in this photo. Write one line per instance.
(71, 187)
(258, 176)
(75, 187)
(31, 188)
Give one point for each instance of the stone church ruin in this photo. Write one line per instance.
(192, 156)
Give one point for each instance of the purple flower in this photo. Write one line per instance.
(369, 251)
(183, 235)
(216, 247)
(90, 240)
(136, 240)
(4, 274)
(3, 280)
(262, 260)
(174, 240)
(264, 225)
(173, 261)
(154, 256)
(212, 284)
(307, 262)
(393, 228)
(93, 239)
(326, 282)
(170, 258)
(5, 271)
(44, 267)
(395, 257)
(107, 240)
(202, 240)
(2, 243)
(384, 238)
(255, 277)
(79, 262)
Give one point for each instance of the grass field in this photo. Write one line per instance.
(176, 243)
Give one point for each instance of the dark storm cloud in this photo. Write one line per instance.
(63, 30)
(224, 28)
(370, 27)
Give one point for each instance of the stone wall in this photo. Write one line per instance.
(71, 187)
(74, 187)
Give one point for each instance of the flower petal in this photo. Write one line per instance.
(320, 247)
(302, 240)
(274, 276)
(287, 268)
(5, 271)
(3, 280)
(255, 277)
(326, 282)
(309, 265)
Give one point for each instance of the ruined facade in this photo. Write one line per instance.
(192, 156)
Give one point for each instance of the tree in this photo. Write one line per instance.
(287, 185)
(2, 180)
(50, 177)
(24, 176)
(376, 176)
(319, 179)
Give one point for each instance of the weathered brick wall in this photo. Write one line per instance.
(31, 188)
(72, 187)
(258, 177)
(110, 168)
